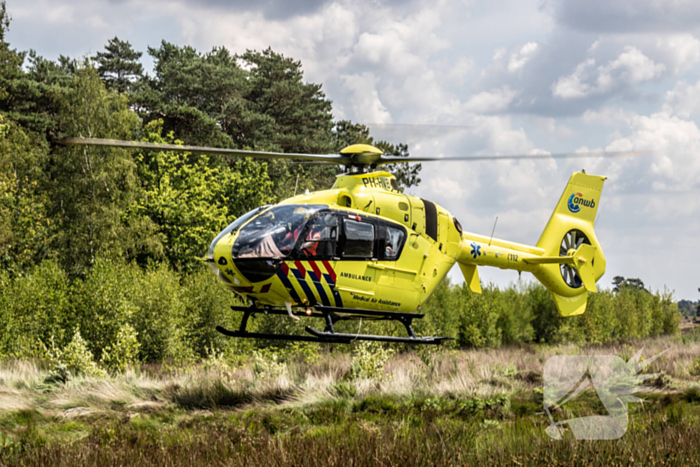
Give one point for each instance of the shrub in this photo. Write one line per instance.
(104, 302)
(158, 311)
(34, 307)
(206, 303)
(308, 352)
(58, 374)
(76, 357)
(478, 318)
(266, 364)
(124, 352)
(368, 360)
(216, 361)
(695, 367)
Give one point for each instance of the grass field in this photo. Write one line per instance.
(443, 408)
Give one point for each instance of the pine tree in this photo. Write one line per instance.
(119, 66)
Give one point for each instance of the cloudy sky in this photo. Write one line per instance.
(497, 77)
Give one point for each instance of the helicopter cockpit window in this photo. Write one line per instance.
(321, 237)
(233, 226)
(392, 241)
(273, 233)
(359, 239)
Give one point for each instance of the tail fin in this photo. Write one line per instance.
(571, 226)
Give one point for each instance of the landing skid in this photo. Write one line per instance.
(331, 316)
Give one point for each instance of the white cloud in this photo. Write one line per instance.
(683, 100)
(681, 50)
(366, 104)
(631, 67)
(550, 127)
(674, 165)
(459, 70)
(401, 46)
(608, 116)
(572, 86)
(519, 59)
(490, 101)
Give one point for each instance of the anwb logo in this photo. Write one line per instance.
(576, 201)
(614, 381)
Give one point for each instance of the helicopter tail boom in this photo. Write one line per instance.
(567, 259)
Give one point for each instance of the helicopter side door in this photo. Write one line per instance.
(396, 268)
(315, 257)
(356, 250)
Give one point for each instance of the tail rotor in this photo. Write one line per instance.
(572, 240)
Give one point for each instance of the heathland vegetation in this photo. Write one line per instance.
(367, 408)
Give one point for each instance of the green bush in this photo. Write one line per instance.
(694, 369)
(478, 318)
(124, 352)
(368, 360)
(76, 357)
(104, 301)
(158, 312)
(168, 316)
(267, 364)
(33, 308)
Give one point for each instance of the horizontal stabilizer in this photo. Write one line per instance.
(582, 260)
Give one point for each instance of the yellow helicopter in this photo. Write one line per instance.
(363, 249)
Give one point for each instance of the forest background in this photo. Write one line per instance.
(100, 247)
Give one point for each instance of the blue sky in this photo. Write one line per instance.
(514, 76)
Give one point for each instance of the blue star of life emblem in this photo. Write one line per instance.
(476, 250)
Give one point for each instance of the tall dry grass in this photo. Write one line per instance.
(446, 373)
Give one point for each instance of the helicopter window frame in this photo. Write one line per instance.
(314, 208)
(297, 252)
(343, 240)
(381, 238)
(234, 226)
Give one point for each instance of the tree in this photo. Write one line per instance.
(198, 96)
(25, 230)
(92, 188)
(620, 283)
(257, 101)
(299, 113)
(30, 97)
(118, 65)
(191, 202)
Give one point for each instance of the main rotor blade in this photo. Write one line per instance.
(113, 143)
(568, 155)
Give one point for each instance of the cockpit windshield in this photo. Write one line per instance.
(234, 226)
(273, 233)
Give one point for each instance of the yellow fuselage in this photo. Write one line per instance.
(432, 242)
(401, 284)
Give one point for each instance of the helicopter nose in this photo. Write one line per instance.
(219, 257)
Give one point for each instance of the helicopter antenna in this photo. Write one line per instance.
(296, 184)
(492, 231)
